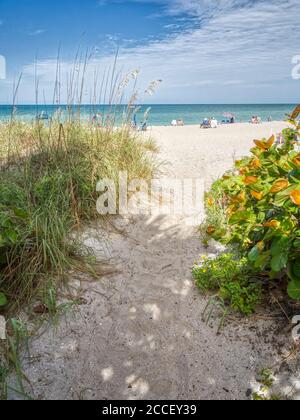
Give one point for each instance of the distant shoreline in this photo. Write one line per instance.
(156, 115)
(162, 104)
(241, 123)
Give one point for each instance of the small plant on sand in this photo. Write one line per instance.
(266, 381)
(256, 209)
(231, 278)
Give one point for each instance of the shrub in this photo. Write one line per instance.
(257, 206)
(243, 298)
(230, 277)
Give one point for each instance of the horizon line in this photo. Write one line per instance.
(152, 104)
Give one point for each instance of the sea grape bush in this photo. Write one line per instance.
(259, 208)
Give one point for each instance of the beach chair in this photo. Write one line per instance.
(205, 124)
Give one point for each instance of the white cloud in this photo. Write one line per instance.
(37, 32)
(232, 47)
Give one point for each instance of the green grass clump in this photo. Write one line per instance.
(48, 177)
(230, 278)
(243, 297)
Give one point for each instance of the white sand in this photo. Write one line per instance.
(194, 152)
(141, 333)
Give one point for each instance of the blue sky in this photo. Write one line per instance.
(204, 51)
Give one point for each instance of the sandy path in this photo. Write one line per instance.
(140, 335)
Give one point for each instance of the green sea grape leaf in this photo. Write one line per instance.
(296, 268)
(280, 246)
(279, 262)
(294, 290)
(254, 254)
(3, 299)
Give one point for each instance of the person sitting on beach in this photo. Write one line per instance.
(174, 123)
(97, 120)
(255, 120)
(214, 123)
(180, 123)
(143, 126)
(205, 123)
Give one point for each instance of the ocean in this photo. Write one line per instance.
(161, 114)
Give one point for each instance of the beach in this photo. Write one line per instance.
(193, 152)
(149, 202)
(139, 332)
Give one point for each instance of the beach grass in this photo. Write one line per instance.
(48, 177)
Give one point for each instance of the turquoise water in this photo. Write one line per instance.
(162, 114)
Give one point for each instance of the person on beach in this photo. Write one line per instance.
(97, 120)
(143, 126)
(256, 120)
(174, 123)
(206, 123)
(214, 123)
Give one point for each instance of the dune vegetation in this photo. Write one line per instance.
(48, 178)
(254, 211)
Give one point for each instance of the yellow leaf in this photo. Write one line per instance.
(272, 224)
(296, 160)
(261, 144)
(257, 195)
(244, 171)
(279, 185)
(260, 246)
(255, 164)
(240, 198)
(250, 180)
(295, 197)
(295, 113)
(271, 141)
(210, 230)
(210, 202)
(265, 145)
